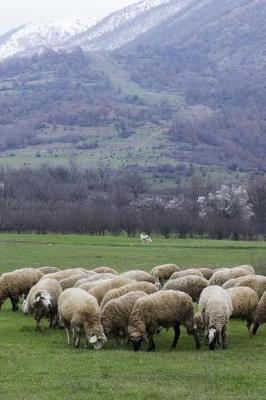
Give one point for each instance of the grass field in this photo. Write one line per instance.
(42, 366)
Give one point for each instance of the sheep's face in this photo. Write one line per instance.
(97, 341)
(24, 307)
(199, 325)
(45, 299)
(212, 339)
(136, 341)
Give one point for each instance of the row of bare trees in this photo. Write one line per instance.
(68, 199)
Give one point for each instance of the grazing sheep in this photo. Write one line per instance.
(232, 282)
(17, 283)
(216, 307)
(65, 273)
(115, 315)
(248, 267)
(100, 289)
(185, 272)
(42, 301)
(104, 270)
(206, 272)
(245, 302)
(260, 315)
(145, 238)
(79, 312)
(69, 282)
(199, 324)
(255, 282)
(95, 278)
(190, 284)
(139, 275)
(167, 309)
(48, 270)
(163, 272)
(220, 277)
(146, 287)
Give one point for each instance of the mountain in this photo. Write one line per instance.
(125, 25)
(34, 37)
(184, 83)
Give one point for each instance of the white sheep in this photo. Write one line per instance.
(145, 238)
(42, 301)
(79, 311)
(216, 307)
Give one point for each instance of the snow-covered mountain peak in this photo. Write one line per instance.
(36, 35)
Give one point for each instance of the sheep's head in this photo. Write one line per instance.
(43, 298)
(199, 324)
(24, 307)
(97, 341)
(212, 338)
(95, 337)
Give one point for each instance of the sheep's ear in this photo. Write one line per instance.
(93, 339)
(37, 299)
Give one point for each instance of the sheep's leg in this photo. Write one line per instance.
(255, 328)
(14, 301)
(224, 337)
(38, 325)
(68, 334)
(176, 337)
(196, 338)
(77, 339)
(151, 346)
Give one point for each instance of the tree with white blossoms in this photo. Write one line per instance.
(229, 202)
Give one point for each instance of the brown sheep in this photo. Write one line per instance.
(146, 287)
(190, 284)
(168, 308)
(17, 283)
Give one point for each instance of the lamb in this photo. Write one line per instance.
(245, 302)
(216, 307)
(255, 282)
(185, 272)
(17, 283)
(260, 315)
(163, 272)
(146, 287)
(139, 275)
(104, 270)
(145, 238)
(79, 312)
(71, 280)
(115, 315)
(99, 290)
(48, 270)
(42, 302)
(223, 275)
(190, 284)
(167, 308)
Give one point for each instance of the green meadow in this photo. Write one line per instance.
(42, 366)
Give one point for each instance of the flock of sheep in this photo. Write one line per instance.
(135, 305)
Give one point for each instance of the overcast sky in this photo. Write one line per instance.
(17, 12)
